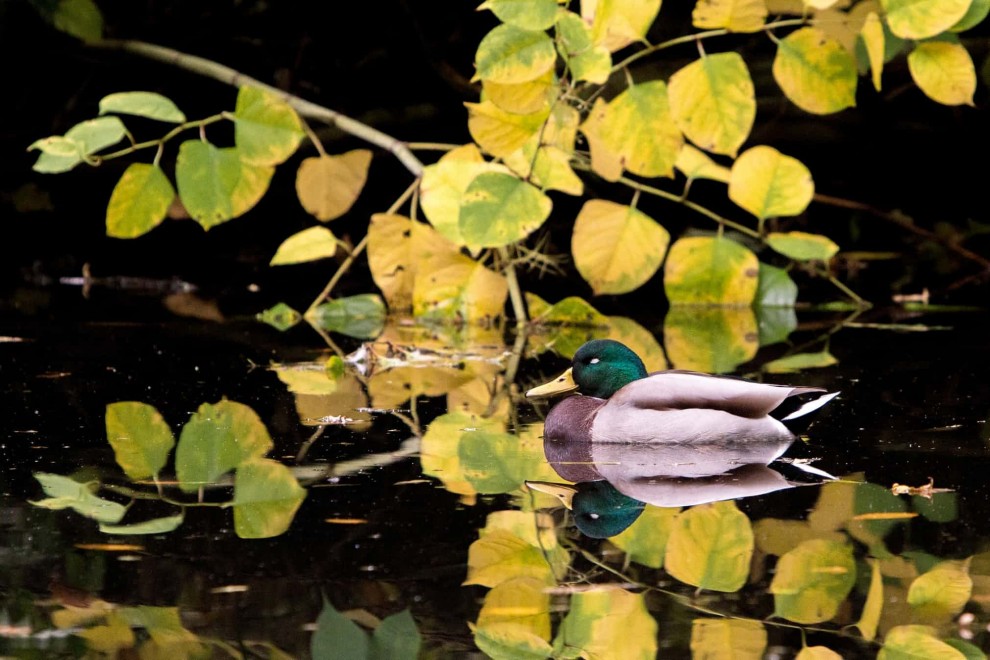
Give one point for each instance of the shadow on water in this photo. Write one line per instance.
(206, 488)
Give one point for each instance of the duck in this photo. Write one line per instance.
(620, 402)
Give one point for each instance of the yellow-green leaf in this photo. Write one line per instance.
(812, 580)
(608, 622)
(815, 71)
(695, 164)
(977, 11)
(266, 129)
(920, 19)
(817, 653)
(142, 104)
(545, 158)
(711, 340)
(573, 322)
(944, 71)
(396, 247)
(217, 439)
(636, 130)
(710, 547)
(455, 287)
(873, 40)
(307, 245)
(521, 602)
(509, 54)
(327, 186)
(586, 60)
(640, 340)
(910, 642)
(801, 246)
(733, 15)
(80, 18)
(89, 136)
(769, 184)
(526, 14)
(266, 498)
(616, 248)
(140, 437)
(800, 362)
(873, 607)
(521, 98)
(618, 23)
(508, 640)
(444, 184)
(139, 201)
(215, 185)
(111, 637)
(645, 541)
(500, 555)
(942, 592)
(713, 101)
(710, 270)
(738, 639)
(501, 133)
(499, 209)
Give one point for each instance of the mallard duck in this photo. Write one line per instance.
(623, 403)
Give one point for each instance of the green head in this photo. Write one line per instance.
(600, 511)
(602, 366)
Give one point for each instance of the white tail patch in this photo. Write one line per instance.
(811, 406)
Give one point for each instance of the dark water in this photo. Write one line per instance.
(394, 502)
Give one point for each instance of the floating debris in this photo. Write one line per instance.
(925, 491)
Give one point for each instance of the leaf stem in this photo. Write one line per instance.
(860, 302)
(160, 142)
(515, 292)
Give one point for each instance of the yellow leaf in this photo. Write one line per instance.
(308, 245)
(616, 248)
(618, 23)
(327, 186)
(695, 164)
(455, 287)
(714, 103)
(528, 14)
(636, 131)
(708, 270)
(738, 639)
(769, 184)
(604, 162)
(733, 15)
(522, 602)
(712, 340)
(920, 19)
(802, 246)
(710, 547)
(815, 72)
(551, 169)
(500, 133)
(640, 340)
(139, 201)
(509, 54)
(390, 388)
(944, 71)
(521, 98)
(942, 592)
(609, 622)
(444, 184)
(817, 653)
(872, 608)
(873, 40)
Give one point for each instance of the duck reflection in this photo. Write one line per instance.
(614, 482)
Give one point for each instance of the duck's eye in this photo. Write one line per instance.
(594, 361)
(594, 516)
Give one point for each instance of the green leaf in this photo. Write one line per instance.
(713, 101)
(801, 246)
(139, 201)
(775, 323)
(156, 526)
(576, 322)
(977, 11)
(266, 498)
(57, 145)
(361, 316)
(710, 339)
(710, 547)
(525, 14)
(499, 209)
(586, 61)
(509, 54)
(396, 637)
(944, 71)
(90, 137)
(607, 622)
(969, 651)
(142, 104)
(215, 185)
(636, 129)
(66, 493)
(266, 129)
(869, 620)
(733, 15)
(916, 643)
(812, 580)
(328, 186)
(941, 593)
(769, 184)
(616, 248)
(920, 19)
(217, 439)
(800, 362)
(645, 541)
(815, 72)
(304, 246)
(140, 437)
(280, 316)
(338, 637)
(80, 18)
(738, 639)
(775, 288)
(710, 270)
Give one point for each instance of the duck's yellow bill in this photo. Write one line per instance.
(562, 492)
(562, 383)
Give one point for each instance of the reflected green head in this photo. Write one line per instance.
(602, 366)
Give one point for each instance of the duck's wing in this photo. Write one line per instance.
(683, 390)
